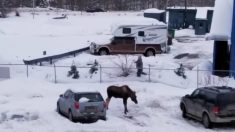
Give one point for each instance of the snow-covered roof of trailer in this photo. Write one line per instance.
(221, 27)
(153, 10)
(136, 21)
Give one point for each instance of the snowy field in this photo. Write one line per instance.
(28, 104)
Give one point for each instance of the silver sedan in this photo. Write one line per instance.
(82, 105)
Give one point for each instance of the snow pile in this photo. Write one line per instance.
(204, 65)
(222, 20)
(153, 10)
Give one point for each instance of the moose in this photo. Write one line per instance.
(123, 92)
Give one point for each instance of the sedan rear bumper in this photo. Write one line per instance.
(223, 119)
(87, 116)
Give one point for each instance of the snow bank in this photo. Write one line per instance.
(222, 20)
(153, 10)
(204, 65)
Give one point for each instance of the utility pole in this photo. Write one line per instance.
(33, 8)
(185, 13)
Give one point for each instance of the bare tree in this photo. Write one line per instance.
(124, 64)
(109, 4)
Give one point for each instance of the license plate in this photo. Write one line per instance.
(91, 109)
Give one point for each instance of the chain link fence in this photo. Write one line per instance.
(59, 74)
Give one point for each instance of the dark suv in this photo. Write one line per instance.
(210, 105)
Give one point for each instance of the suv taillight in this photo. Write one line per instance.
(76, 105)
(215, 109)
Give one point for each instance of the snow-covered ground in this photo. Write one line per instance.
(28, 104)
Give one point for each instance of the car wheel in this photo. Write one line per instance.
(103, 118)
(71, 116)
(206, 121)
(150, 52)
(58, 108)
(184, 112)
(103, 52)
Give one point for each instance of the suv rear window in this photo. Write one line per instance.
(226, 99)
(210, 97)
(93, 97)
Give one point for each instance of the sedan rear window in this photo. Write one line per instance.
(92, 97)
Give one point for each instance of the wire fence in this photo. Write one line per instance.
(59, 74)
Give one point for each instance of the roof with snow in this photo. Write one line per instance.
(201, 13)
(136, 21)
(154, 10)
(222, 20)
(192, 8)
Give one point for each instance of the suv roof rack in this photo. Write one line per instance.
(220, 89)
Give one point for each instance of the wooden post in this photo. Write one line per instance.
(27, 66)
(55, 73)
(50, 60)
(100, 74)
(149, 74)
(197, 77)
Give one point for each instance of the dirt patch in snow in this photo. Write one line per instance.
(189, 56)
(19, 117)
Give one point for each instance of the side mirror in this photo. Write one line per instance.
(61, 96)
(187, 96)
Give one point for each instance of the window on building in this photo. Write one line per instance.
(126, 30)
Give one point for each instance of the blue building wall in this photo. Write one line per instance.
(232, 51)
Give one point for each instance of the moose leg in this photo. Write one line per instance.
(125, 105)
(107, 102)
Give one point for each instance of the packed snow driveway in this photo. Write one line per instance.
(30, 105)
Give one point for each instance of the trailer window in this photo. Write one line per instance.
(141, 33)
(126, 30)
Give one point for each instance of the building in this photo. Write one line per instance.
(198, 18)
(223, 34)
(160, 15)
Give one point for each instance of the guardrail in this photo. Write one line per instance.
(54, 57)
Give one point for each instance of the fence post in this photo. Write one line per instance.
(100, 74)
(149, 74)
(55, 73)
(27, 66)
(197, 77)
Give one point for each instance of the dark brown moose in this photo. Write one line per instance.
(123, 92)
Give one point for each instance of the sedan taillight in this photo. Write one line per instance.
(76, 105)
